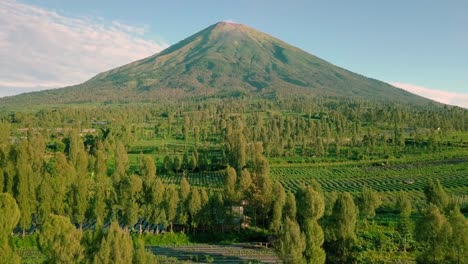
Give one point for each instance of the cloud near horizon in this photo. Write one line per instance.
(42, 49)
(445, 97)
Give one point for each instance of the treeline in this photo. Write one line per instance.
(291, 127)
(61, 242)
(57, 192)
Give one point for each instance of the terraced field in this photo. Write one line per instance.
(452, 173)
(388, 179)
(201, 179)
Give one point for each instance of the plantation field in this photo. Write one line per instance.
(410, 177)
(452, 173)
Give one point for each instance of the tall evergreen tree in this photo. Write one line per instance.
(458, 248)
(115, 248)
(291, 243)
(368, 201)
(341, 230)
(405, 226)
(436, 195)
(434, 232)
(10, 216)
(290, 207)
(59, 240)
(278, 205)
(24, 192)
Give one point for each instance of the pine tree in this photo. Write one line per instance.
(59, 240)
(115, 248)
(290, 207)
(436, 195)
(171, 201)
(230, 185)
(278, 205)
(405, 226)
(434, 232)
(311, 208)
(194, 207)
(245, 183)
(142, 256)
(121, 163)
(10, 216)
(314, 238)
(291, 243)
(24, 192)
(341, 230)
(369, 200)
(79, 200)
(458, 248)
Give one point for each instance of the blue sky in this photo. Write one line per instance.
(418, 45)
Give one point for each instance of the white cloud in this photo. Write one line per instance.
(42, 49)
(446, 97)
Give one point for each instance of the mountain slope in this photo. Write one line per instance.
(224, 60)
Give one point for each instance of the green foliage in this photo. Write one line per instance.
(341, 230)
(291, 243)
(278, 205)
(115, 247)
(60, 241)
(142, 256)
(10, 215)
(458, 247)
(368, 201)
(434, 233)
(435, 194)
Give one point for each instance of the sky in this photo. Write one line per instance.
(418, 45)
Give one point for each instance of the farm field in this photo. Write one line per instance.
(206, 253)
(387, 179)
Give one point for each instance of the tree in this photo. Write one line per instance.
(405, 226)
(368, 201)
(458, 249)
(101, 186)
(434, 232)
(79, 200)
(278, 205)
(436, 195)
(171, 200)
(230, 184)
(121, 163)
(311, 209)
(155, 203)
(116, 247)
(291, 243)
(245, 183)
(314, 238)
(45, 196)
(177, 164)
(290, 208)
(9, 208)
(142, 256)
(341, 231)
(311, 204)
(194, 207)
(131, 186)
(59, 240)
(24, 190)
(147, 169)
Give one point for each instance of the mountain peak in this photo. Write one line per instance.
(229, 59)
(228, 25)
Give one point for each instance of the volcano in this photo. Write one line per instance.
(222, 61)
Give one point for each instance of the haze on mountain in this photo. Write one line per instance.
(223, 60)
